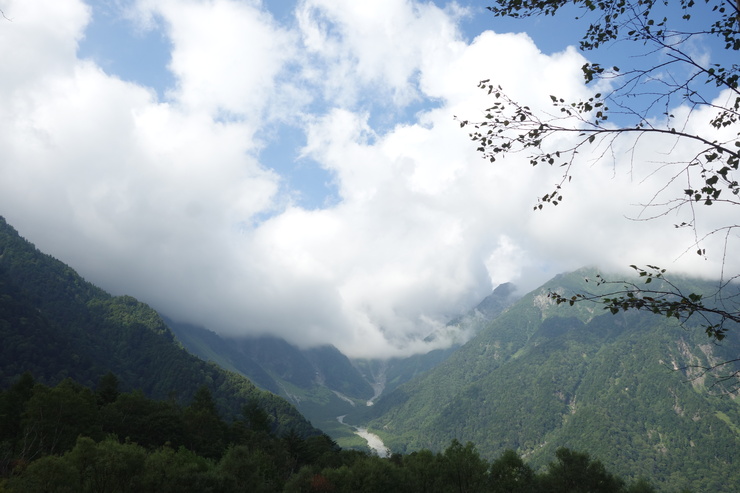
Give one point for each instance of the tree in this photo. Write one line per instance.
(12, 404)
(256, 417)
(133, 416)
(463, 469)
(205, 429)
(510, 474)
(243, 469)
(49, 474)
(107, 391)
(642, 485)
(55, 417)
(680, 99)
(424, 470)
(107, 466)
(575, 472)
(174, 471)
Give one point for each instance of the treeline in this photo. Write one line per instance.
(69, 438)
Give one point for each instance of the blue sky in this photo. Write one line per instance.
(125, 49)
(295, 168)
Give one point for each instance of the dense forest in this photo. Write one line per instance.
(56, 325)
(70, 438)
(623, 387)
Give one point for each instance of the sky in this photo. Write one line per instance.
(295, 168)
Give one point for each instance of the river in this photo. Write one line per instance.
(373, 440)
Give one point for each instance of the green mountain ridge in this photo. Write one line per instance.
(322, 382)
(56, 325)
(542, 376)
(535, 376)
(397, 371)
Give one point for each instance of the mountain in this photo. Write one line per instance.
(387, 374)
(322, 382)
(542, 376)
(533, 377)
(56, 325)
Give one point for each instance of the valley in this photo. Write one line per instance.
(377, 382)
(322, 382)
(536, 376)
(374, 442)
(530, 376)
(332, 246)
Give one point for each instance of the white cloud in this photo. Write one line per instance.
(41, 38)
(167, 201)
(373, 46)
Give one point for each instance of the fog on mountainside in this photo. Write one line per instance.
(323, 383)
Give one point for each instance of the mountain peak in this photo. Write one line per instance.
(501, 297)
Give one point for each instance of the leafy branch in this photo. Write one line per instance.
(714, 370)
(667, 300)
(638, 104)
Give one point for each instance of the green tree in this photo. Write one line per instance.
(322, 451)
(50, 474)
(206, 432)
(575, 472)
(12, 404)
(107, 466)
(107, 391)
(296, 450)
(423, 471)
(55, 417)
(306, 480)
(147, 422)
(462, 468)
(242, 469)
(641, 486)
(175, 471)
(367, 474)
(203, 401)
(653, 100)
(256, 418)
(510, 474)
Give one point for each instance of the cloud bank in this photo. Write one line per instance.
(170, 200)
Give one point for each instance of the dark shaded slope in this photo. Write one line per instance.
(321, 382)
(336, 371)
(210, 346)
(272, 363)
(56, 325)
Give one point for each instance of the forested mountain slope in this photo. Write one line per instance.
(274, 364)
(56, 325)
(396, 371)
(322, 382)
(543, 376)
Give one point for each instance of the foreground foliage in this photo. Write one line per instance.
(69, 438)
